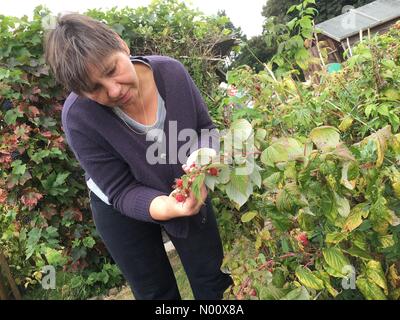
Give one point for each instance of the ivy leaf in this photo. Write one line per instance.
(325, 138)
(89, 242)
(308, 279)
(30, 198)
(18, 167)
(11, 116)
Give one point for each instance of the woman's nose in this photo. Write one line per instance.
(113, 90)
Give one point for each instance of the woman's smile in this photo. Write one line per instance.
(126, 97)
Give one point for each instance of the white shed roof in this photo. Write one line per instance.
(362, 18)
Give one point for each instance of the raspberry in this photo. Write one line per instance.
(179, 183)
(302, 237)
(213, 171)
(180, 197)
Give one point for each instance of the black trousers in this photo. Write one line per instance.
(138, 250)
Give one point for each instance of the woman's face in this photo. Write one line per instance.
(118, 85)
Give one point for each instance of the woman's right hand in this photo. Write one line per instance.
(191, 206)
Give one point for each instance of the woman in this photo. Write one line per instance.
(121, 120)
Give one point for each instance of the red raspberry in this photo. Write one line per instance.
(213, 171)
(180, 197)
(193, 165)
(179, 183)
(253, 292)
(302, 237)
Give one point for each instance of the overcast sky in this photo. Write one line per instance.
(246, 15)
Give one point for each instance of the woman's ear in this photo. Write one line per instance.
(124, 45)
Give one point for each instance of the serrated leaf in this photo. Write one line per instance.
(248, 216)
(344, 180)
(346, 123)
(335, 259)
(196, 186)
(386, 241)
(355, 218)
(325, 138)
(370, 290)
(343, 205)
(376, 275)
(272, 181)
(300, 293)
(240, 131)
(282, 150)
(271, 292)
(261, 134)
(358, 252)
(308, 279)
(380, 138)
(335, 237)
(324, 276)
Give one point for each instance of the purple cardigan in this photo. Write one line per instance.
(114, 157)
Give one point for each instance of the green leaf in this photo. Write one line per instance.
(239, 189)
(261, 134)
(335, 237)
(89, 242)
(11, 116)
(300, 293)
(346, 123)
(370, 290)
(308, 279)
(18, 167)
(282, 150)
(344, 180)
(196, 186)
(325, 138)
(380, 138)
(271, 182)
(355, 218)
(343, 205)
(61, 177)
(248, 216)
(240, 131)
(376, 275)
(324, 276)
(270, 292)
(335, 259)
(359, 253)
(386, 241)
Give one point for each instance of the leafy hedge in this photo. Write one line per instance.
(44, 211)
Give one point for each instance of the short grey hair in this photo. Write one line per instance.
(76, 43)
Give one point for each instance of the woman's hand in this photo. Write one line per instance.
(164, 208)
(191, 205)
